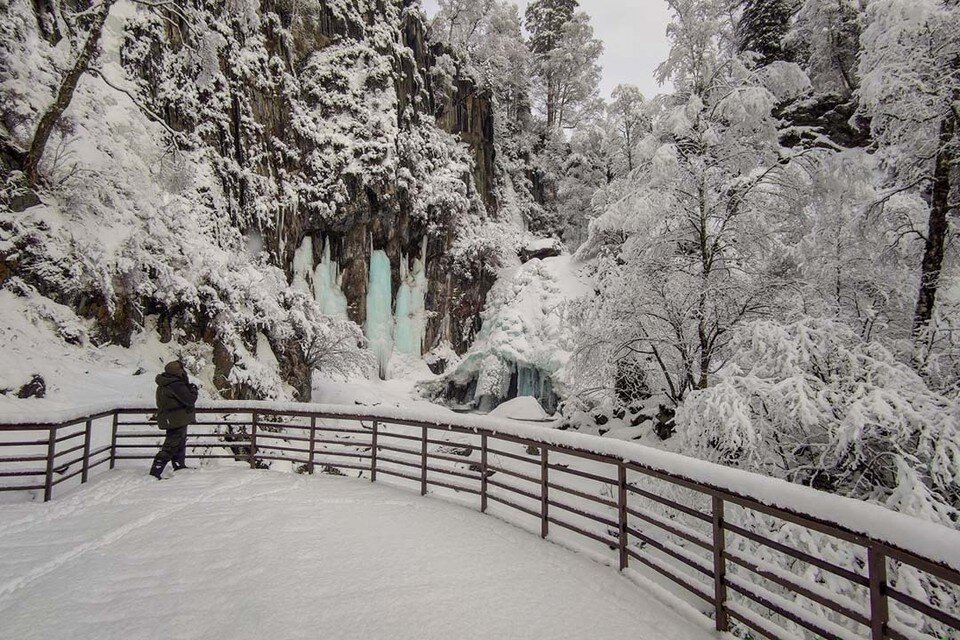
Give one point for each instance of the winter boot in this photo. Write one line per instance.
(180, 461)
(157, 469)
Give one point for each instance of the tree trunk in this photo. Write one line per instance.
(65, 94)
(706, 266)
(551, 103)
(936, 229)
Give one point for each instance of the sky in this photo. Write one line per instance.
(634, 38)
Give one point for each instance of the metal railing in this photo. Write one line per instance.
(589, 496)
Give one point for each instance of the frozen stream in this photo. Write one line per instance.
(232, 553)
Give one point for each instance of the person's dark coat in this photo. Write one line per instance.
(176, 398)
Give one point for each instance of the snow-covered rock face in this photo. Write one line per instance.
(526, 338)
(342, 127)
(295, 140)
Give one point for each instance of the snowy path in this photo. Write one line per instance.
(238, 554)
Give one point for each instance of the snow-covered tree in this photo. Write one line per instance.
(566, 63)
(461, 21)
(762, 27)
(910, 69)
(857, 262)
(489, 34)
(586, 168)
(702, 252)
(627, 114)
(827, 33)
(545, 21)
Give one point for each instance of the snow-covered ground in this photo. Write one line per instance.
(232, 553)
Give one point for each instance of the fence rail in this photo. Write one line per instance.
(567, 490)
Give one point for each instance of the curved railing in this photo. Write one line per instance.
(743, 548)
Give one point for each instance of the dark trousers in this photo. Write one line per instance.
(174, 449)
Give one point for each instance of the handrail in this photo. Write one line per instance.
(883, 534)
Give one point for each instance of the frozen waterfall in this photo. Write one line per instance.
(379, 325)
(391, 324)
(323, 283)
(303, 265)
(411, 317)
(531, 381)
(326, 285)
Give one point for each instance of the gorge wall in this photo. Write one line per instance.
(337, 122)
(282, 137)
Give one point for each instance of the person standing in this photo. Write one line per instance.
(176, 399)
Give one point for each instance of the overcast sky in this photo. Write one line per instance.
(633, 34)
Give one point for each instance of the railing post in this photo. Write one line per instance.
(253, 440)
(423, 463)
(483, 473)
(544, 494)
(719, 568)
(113, 439)
(313, 442)
(51, 453)
(879, 610)
(373, 452)
(86, 451)
(622, 511)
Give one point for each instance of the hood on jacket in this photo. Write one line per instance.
(172, 372)
(175, 368)
(165, 379)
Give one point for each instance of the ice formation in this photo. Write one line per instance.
(393, 324)
(326, 285)
(379, 324)
(303, 265)
(532, 381)
(323, 283)
(411, 318)
(525, 341)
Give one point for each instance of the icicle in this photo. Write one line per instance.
(532, 381)
(326, 285)
(303, 265)
(411, 317)
(379, 324)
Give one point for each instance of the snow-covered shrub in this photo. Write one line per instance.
(332, 345)
(812, 403)
(432, 168)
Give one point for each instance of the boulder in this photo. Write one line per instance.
(36, 388)
(540, 249)
(525, 408)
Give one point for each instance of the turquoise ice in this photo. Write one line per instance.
(379, 324)
(411, 318)
(326, 285)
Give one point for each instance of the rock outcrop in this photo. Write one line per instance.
(338, 133)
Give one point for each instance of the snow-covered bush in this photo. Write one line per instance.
(814, 404)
